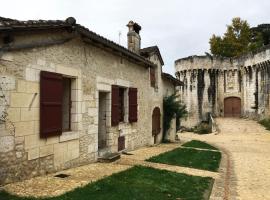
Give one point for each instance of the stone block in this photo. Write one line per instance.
(19, 140)
(14, 114)
(76, 95)
(76, 117)
(31, 114)
(33, 153)
(105, 80)
(30, 74)
(46, 150)
(24, 100)
(73, 145)
(37, 127)
(88, 97)
(92, 112)
(31, 141)
(7, 82)
(27, 86)
(92, 129)
(96, 120)
(24, 128)
(76, 107)
(52, 140)
(60, 152)
(67, 136)
(76, 84)
(68, 71)
(91, 148)
(123, 83)
(6, 144)
(83, 107)
(7, 56)
(73, 154)
(18, 154)
(41, 62)
(104, 87)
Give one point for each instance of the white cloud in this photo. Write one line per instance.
(180, 28)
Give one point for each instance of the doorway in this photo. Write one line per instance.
(102, 135)
(232, 107)
(156, 124)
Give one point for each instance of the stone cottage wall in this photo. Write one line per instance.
(23, 154)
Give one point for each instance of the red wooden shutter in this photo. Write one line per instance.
(51, 94)
(115, 106)
(133, 105)
(152, 77)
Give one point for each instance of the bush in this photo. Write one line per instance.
(202, 128)
(172, 108)
(266, 123)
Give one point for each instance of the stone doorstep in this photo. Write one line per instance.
(109, 157)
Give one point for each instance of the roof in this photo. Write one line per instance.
(172, 79)
(153, 49)
(8, 25)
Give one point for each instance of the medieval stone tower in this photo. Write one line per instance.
(225, 87)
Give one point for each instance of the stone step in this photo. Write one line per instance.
(109, 157)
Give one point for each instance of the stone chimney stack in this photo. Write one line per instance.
(134, 38)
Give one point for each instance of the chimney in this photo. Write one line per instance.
(134, 38)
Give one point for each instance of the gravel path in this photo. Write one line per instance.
(245, 170)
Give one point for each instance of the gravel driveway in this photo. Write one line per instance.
(247, 146)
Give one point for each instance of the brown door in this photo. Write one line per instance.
(121, 143)
(232, 107)
(156, 123)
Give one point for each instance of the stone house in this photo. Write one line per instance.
(237, 87)
(69, 96)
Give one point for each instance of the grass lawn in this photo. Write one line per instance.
(199, 144)
(199, 159)
(138, 183)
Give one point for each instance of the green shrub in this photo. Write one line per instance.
(266, 123)
(202, 128)
(172, 108)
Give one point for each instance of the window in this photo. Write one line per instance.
(66, 104)
(55, 104)
(120, 105)
(152, 77)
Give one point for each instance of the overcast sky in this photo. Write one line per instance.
(180, 28)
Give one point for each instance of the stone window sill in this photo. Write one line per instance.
(70, 135)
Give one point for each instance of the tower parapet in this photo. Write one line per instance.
(225, 87)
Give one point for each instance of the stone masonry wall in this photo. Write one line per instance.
(246, 77)
(23, 154)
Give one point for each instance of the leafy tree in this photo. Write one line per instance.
(238, 39)
(172, 108)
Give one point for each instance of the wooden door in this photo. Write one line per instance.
(121, 143)
(156, 121)
(232, 107)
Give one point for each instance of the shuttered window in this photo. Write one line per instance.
(152, 77)
(133, 105)
(51, 96)
(115, 114)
